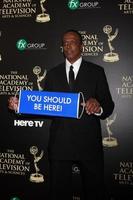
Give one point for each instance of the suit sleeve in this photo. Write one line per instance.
(48, 82)
(103, 95)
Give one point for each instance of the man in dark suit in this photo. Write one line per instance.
(78, 140)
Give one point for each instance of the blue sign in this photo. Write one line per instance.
(60, 104)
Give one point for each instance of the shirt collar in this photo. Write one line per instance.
(76, 65)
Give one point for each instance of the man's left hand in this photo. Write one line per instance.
(92, 106)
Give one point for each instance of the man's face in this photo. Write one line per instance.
(72, 46)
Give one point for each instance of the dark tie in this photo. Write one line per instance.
(71, 77)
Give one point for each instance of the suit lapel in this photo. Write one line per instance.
(63, 78)
(81, 72)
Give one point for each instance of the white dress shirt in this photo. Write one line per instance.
(76, 66)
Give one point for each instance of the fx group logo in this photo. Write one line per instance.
(77, 4)
(15, 198)
(73, 4)
(22, 45)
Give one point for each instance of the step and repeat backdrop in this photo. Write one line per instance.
(30, 44)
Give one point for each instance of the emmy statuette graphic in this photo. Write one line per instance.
(111, 56)
(42, 17)
(36, 177)
(37, 71)
(110, 141)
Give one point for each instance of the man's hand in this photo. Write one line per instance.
(13, 103)
(92, 106)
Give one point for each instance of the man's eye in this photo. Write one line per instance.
(69, 43)
(65, 44)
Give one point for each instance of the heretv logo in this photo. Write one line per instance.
(73, 4)
(29, 123)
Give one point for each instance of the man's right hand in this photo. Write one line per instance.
(13, 103)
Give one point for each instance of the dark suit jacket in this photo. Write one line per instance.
(77, 139)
